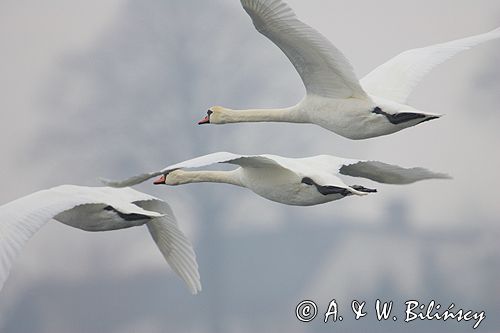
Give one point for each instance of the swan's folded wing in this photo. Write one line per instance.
(395, 79)
(387, 173)
(324, 70)
(173, 244)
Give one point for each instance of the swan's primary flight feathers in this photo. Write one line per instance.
(324, 70)
(387, 173)
(96, 209)
(395, 79)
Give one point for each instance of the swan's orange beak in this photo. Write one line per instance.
(160, 180)
(205, 120)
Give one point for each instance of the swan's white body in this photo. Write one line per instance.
(353, 118)
(292, 181)
(335, 99)
(96, 209)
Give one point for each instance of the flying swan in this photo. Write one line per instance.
(96, 209)
(335, 99)
(292, 181)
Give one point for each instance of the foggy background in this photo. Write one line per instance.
(114, 88)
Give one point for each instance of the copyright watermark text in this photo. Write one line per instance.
(307, 311)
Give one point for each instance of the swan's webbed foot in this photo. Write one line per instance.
(127, 217)
(364, 189)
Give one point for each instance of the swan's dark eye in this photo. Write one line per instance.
(209, 112)
(307, 181)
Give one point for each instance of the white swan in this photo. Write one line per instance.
(335, 99)
(96, 209)
(292, 181)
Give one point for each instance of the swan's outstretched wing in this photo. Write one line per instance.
(324, 70)
(173, 244)
(395, 79)
(21, 218)
(387, 173)
(219, 157)
(192, 163)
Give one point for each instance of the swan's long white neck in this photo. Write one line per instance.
(289, 115)
(227, 177)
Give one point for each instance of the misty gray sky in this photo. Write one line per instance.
(113, 88)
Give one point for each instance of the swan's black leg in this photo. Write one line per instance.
(403, 117)
(325, 190)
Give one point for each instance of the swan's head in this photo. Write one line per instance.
(215, 115)
(172, 178)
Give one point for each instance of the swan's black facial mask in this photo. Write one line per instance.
(160, 180)
(206, 120)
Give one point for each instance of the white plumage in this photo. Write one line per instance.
(335, 99)
(292, 181)
(395, 79)
(96, 209)
(324, 70)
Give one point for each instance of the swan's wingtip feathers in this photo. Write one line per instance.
(267, 8)
(126, 182)
(443, 176)
(193, 283)
(177, 251)
(392, 80)
(495, 32)
(264, 6)
(106, 181)
(426, 174)
(113, 183)
(195, 290)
